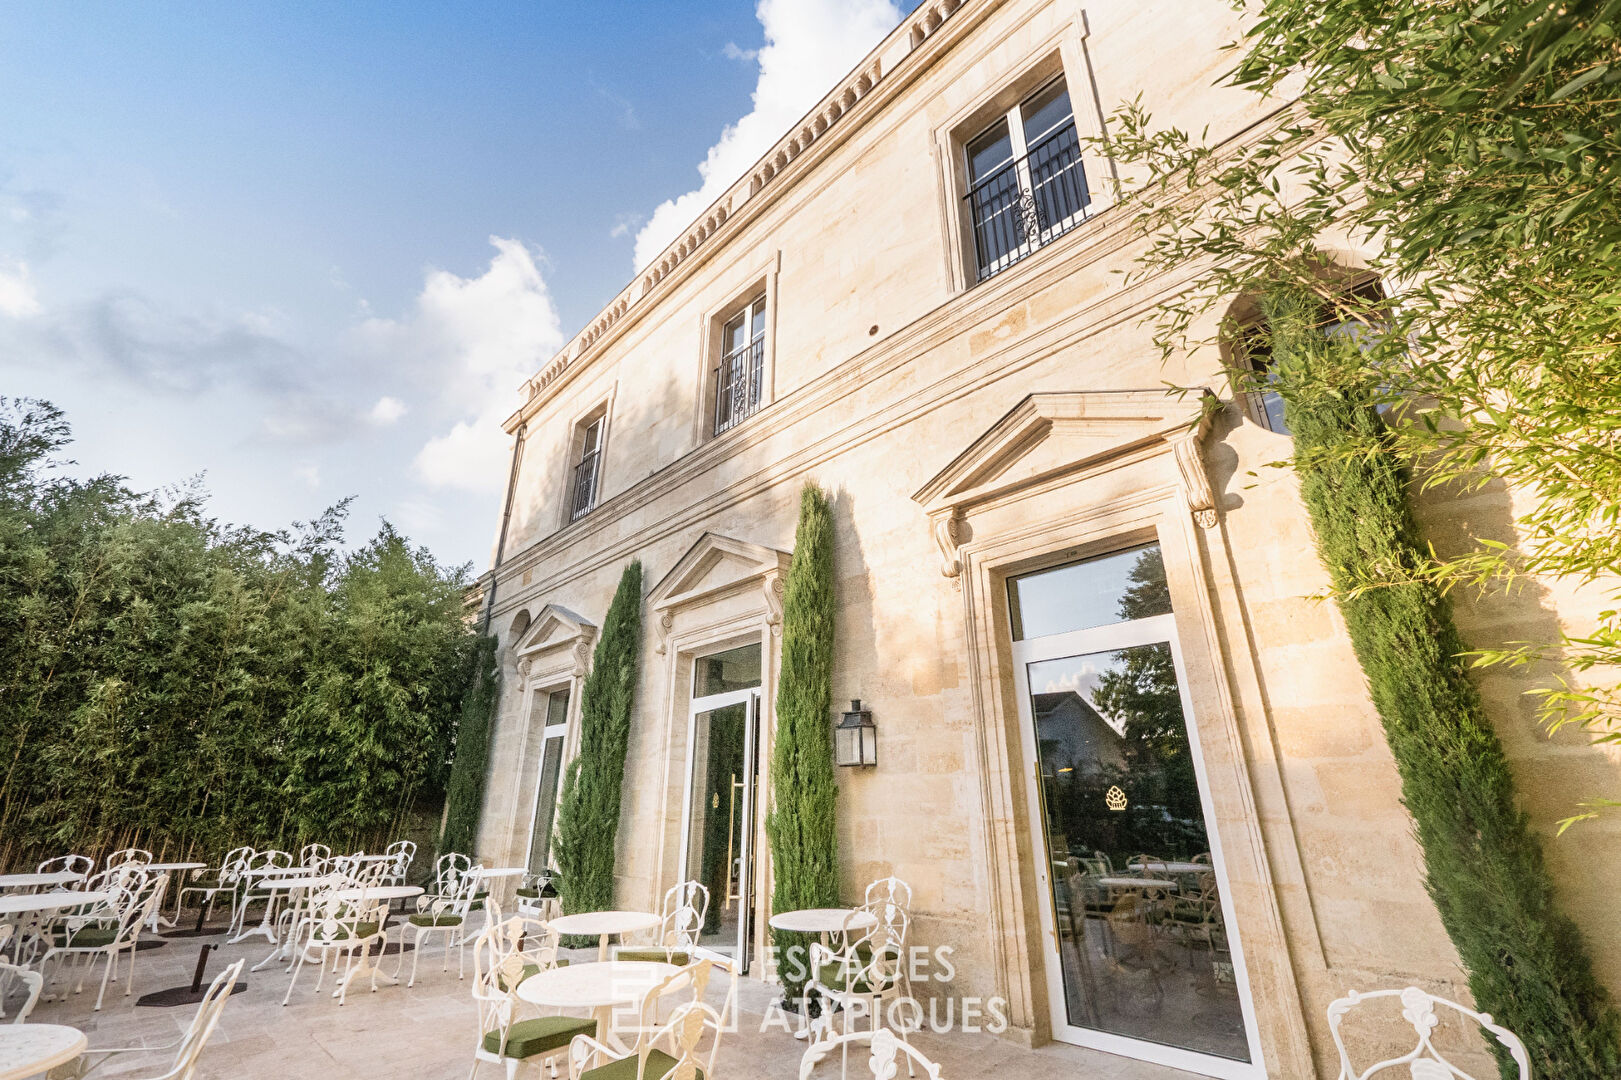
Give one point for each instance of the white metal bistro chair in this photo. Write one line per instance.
(312, 854)
(674, 1051)
(33, 981)
(106, 934)
(502, 960)
(404, 852)
(335, 927)
(889, 890)
(863, 975)
(682, 920)
(225, 879)
(447, 913)
(83, 865)
(259, 860)
(883, 1048)
(127, 855)
(189, 1047)
(1423, 1061)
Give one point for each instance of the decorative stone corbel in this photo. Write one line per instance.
(948, 536)
(774, 588)
(661, 629)
(582, 656)
(1188, 446)
(523, 668)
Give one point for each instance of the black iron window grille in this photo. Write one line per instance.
(1030, 201)
(586, 474)
(741, 371)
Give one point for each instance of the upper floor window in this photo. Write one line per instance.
(740, 374)
(587, 467)
(1026, 183)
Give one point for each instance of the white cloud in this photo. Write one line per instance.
(808, 45)
(310, 474)
(472, 342)
(732, 51)
(18, 297)
(387, 411)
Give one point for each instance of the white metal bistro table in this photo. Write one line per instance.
(606, 924)
(31, 1049)
(1137, 883)
(30, 903)
(497, 875)
(389, 893)
(600, 987)
(55, 879)
(821, 922)
(290, 885)
(272, 880)
(1173, 866)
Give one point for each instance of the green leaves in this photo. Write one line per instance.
(191, 686)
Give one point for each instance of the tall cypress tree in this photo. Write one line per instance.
(588, 818)
(1525, 959)
(464, 794)
(804, 843)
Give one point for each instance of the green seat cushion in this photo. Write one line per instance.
(526, 1038)
(658, 1063)
(832, 977)
(528, 970)
(656, 956)
(367, 929)
(531, 894)
(90, 937)
(424, 919)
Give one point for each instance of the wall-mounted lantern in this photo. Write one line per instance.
(855, 739)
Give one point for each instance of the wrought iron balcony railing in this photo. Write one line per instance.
(1029, 202)
(585, 485)
(737, 385)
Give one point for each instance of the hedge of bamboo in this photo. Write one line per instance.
(174, 683)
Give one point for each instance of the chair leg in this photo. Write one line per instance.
(108, 970)
(416, 954)
(298, 965)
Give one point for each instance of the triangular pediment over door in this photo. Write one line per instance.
(1053, 437)
(717, 566)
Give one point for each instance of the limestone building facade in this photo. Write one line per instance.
(1081, 610)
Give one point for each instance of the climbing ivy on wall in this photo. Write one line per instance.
(1526, 962)
(588, 817)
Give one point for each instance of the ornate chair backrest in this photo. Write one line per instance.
(695, 976)
(275, 857)
(405, 853)
(202, 1025)
(1423, 1061)
(128, 855)
(873, 955)
(31, 979)
(311, 854)
(539, 942)
(891, 890)
(334, 920)
(886, 1046)
(236, 860)
(68, 864)
(447, 862)
(135, 891)
(685, 906)
(497, 971)
(460, 889)
(369, 873)
(683, 1037)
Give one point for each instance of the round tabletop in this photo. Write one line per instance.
(823, 920)
(176, 865)
(372, 858)
(1171, 866)
(295, 883)
(34, 881)
(595, 986)
(501, 871)
(605, 922)
(1136, 883)
(276, 871)
(50, 901)
(29, 1049)
(382, 892)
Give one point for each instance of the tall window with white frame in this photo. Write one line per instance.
(552, 741)
(741, 370)
(1026, 182)
(588, 468)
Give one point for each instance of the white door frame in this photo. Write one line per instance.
(750, 700)
(1115, 636)
(547, 734)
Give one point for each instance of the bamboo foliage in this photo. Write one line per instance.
(173, 683)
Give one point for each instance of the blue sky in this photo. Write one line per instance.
(309, 250)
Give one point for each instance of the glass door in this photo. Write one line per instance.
(1142, 956)
(538, 860)
(719, 821)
